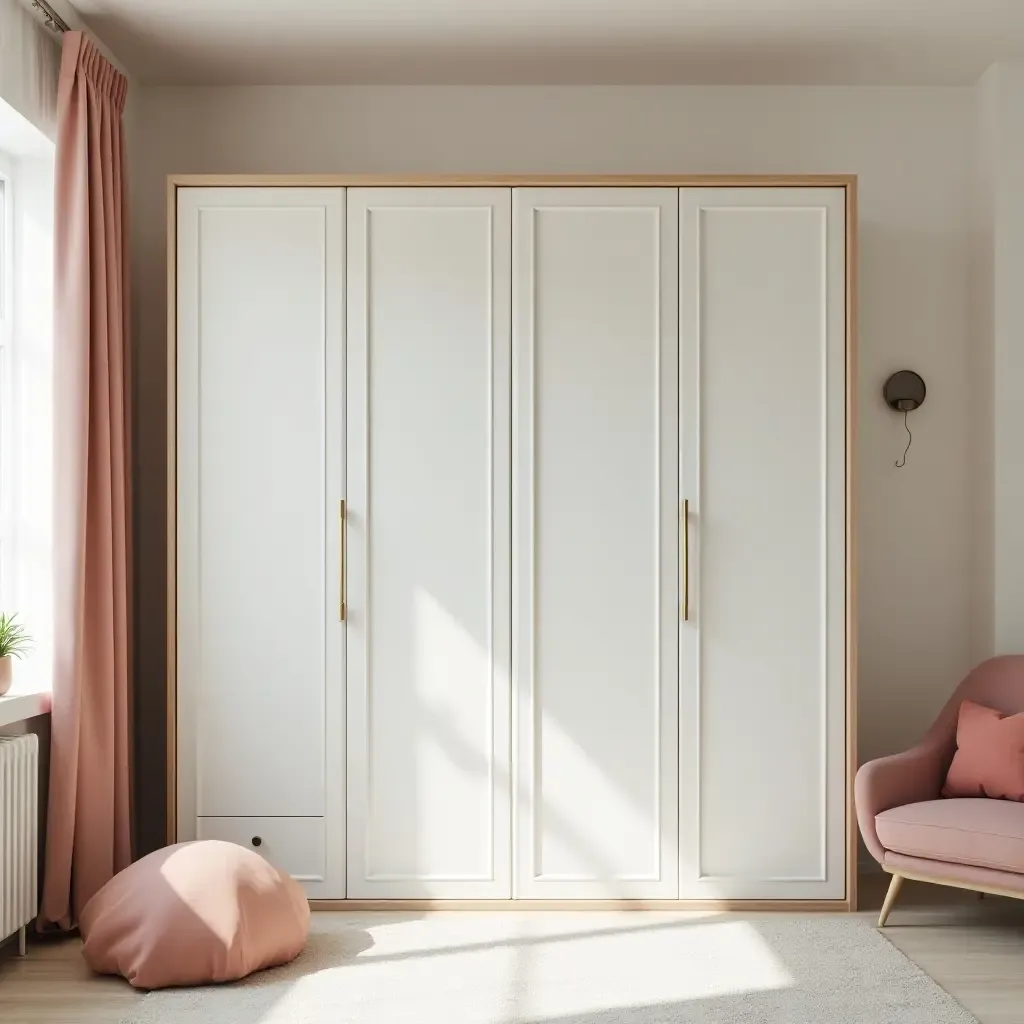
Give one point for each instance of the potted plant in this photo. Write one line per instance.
(14, 642)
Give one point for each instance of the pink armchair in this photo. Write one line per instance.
(914, 833)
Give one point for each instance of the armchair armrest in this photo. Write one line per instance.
(906, 778)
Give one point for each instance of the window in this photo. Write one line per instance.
(26, 393)
(7, 299)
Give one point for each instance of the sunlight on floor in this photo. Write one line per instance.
(515, 968)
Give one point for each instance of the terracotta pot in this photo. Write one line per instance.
(6, 675)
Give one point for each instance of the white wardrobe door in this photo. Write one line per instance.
(595, 540)
(429, 542)
(260, 471)
(762, 301)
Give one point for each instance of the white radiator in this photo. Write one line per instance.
(19, 833)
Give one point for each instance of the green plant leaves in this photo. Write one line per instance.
(14, 640)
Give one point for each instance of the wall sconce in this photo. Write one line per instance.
(904, 392)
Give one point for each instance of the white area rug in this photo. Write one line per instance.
(510, 967)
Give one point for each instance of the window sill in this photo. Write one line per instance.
(16, 707)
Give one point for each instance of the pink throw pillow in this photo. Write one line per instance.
(192, 914)
(989, 759)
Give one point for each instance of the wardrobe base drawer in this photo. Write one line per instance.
(296, 845)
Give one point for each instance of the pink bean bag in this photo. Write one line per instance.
(193, 914)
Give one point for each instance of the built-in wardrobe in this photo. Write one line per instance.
(510, 536)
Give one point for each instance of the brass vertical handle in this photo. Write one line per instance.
(684, 542)
(341, 560)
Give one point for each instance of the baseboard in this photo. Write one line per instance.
(749, 906)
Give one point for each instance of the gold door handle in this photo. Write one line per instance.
(684, 543)
(341, 560)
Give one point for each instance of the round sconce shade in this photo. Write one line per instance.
(904, 391)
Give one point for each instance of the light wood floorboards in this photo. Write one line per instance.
(973, 948)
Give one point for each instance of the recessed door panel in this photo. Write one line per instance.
(762, 719)
(595, 580)
(429, 542)
(260, 473)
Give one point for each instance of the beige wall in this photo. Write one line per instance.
(981, 370)
(29, 62)
(912, 150)
(1001, 161)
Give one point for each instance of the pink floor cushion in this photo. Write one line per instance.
(193, 914)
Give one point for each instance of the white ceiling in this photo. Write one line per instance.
(545, 42)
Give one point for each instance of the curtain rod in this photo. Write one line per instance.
(53, 20)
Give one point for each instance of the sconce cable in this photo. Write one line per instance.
(910, 440)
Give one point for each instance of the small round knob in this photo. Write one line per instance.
(257, 841)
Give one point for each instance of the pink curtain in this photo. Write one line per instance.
(88, 838)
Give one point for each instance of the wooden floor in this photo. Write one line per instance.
(973, 948)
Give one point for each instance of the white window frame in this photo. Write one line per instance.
(8, 376)
(26, 392)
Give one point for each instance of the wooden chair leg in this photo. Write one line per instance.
(890, 899)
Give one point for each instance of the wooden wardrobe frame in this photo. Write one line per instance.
(848, 182)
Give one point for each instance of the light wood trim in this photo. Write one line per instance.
(513, 180)
(172, 513)
(852, 324)
(955, 883)
(845, 181)
(890, 899)
(749, 906)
